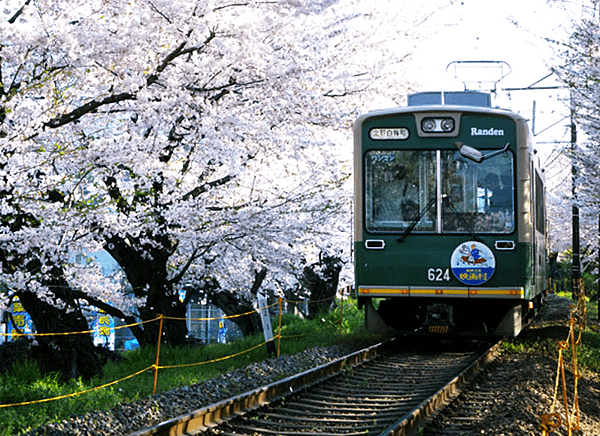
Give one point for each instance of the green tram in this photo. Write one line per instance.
(449, 232)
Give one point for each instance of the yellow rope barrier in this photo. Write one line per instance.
(156, 366)
(220, 359)
(219, 317)
(550, 422)
(74, 394)
(160, 326)
(280, 301)
(553, 420)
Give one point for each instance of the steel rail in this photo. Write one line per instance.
(409, 423)
(309, 411)
(209, 416)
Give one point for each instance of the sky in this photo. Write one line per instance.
(515, 34)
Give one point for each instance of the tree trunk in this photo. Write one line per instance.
(232, 305)
(321, 280)
(162, 299)
(73, 355)
(145, 266)
(236, 303)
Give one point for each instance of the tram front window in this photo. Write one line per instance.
(401, 185)
(478, 196)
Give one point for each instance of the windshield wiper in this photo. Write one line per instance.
(447, 201)
(416, 220)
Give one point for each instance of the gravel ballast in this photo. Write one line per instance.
(129, 417)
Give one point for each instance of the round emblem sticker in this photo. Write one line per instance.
(473, 263)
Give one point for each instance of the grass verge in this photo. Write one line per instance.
(26, 384)
(545, 338)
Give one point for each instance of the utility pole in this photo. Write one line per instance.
(576, 263)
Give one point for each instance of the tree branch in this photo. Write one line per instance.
(18, 13)
(259, 277)
(232, 82)
(115, 194)
(95, 104)
(112, 311)
(87, 108)
(159, 12)
(205, 187)
(179, 51)
(184, 269)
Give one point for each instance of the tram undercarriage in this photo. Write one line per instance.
(448, 316)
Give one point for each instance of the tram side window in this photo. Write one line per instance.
(399, 185)
(540, 207)
(478, 197)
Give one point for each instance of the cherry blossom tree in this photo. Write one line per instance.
(197, 142)
(578, 67)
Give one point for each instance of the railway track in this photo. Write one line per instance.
(383, 390)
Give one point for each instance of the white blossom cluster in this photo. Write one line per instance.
(224, 125)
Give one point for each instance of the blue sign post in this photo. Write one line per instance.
(21, 319)
(104, 330)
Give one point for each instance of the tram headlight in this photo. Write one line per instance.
(437, 125)
(428, 125)
(447, 124)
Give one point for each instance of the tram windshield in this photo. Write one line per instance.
(441, 190)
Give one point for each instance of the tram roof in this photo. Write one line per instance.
(458, 98)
